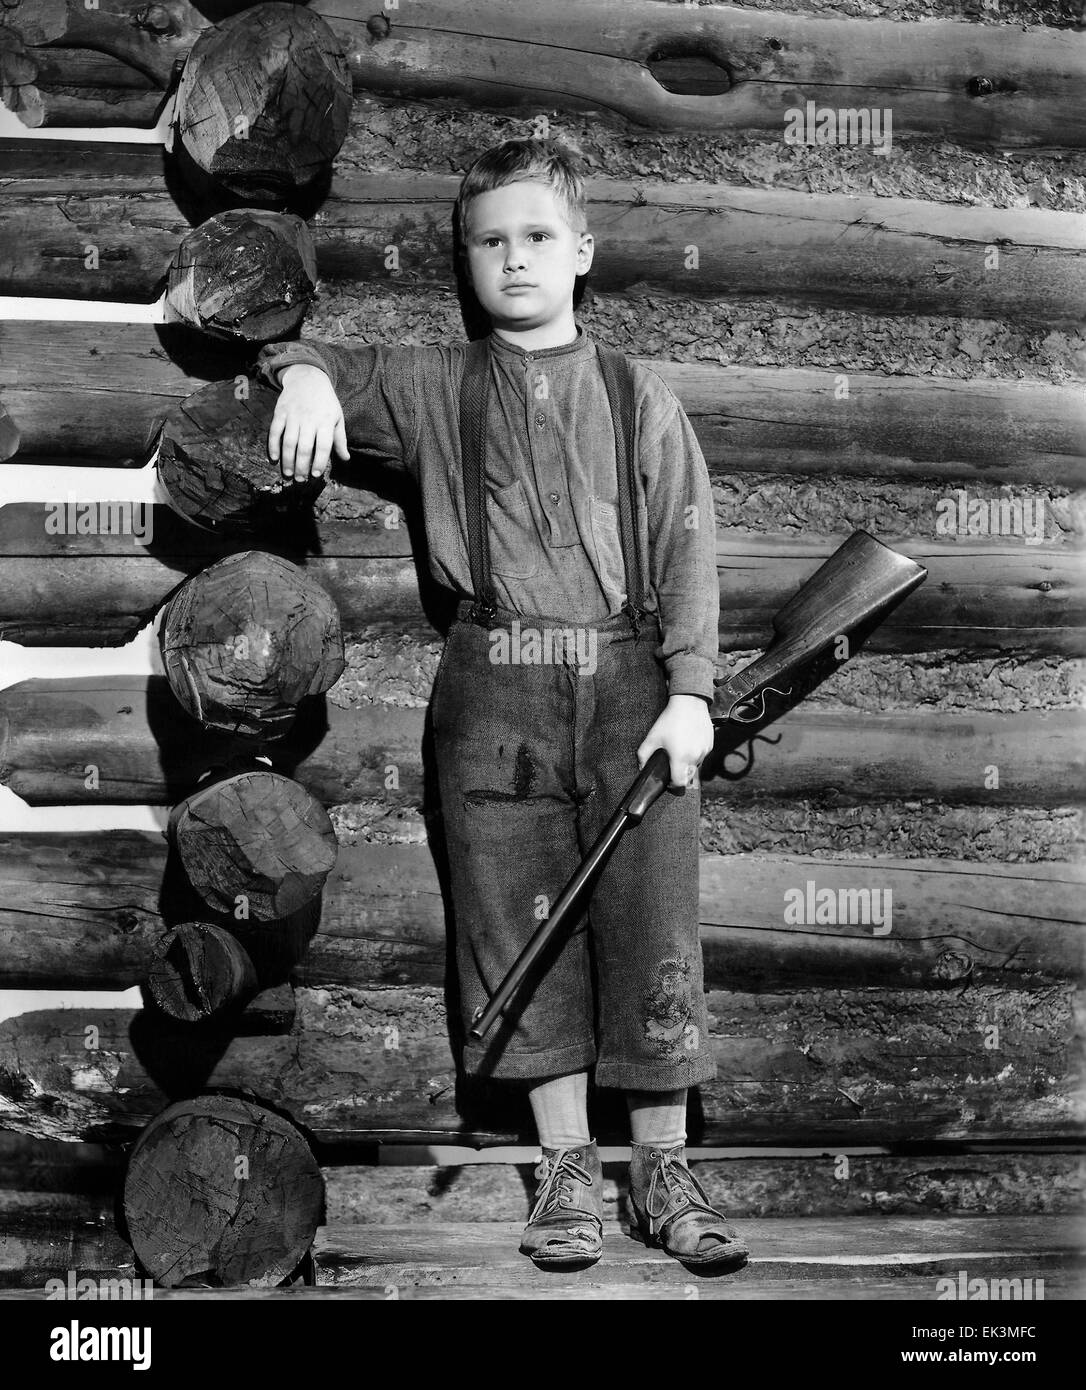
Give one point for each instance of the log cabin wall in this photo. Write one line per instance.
(862, 339)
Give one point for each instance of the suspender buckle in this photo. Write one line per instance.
(635, 615)
(484, 614)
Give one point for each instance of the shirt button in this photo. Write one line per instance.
(555, 497)
(540, 419)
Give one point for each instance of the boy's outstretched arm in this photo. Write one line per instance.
(682, 548)
(333, 398)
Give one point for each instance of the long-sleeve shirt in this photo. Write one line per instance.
(552, 485)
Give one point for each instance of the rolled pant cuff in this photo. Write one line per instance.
(651, 1076)
(530, 1066)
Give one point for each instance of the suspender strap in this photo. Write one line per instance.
(620, 396)
(474, 394)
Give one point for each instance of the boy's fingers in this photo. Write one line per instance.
(321, 452)
(275, 434)
(288, 451)
(340, 440)
(303, 458)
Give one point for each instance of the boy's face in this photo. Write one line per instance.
(523, 257)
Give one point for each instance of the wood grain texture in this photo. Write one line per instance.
(778, 419)
(842, 1248)
(639, 64)
(982, 593)
(198, 970)
(145, 749)
(804, 1258)
(221, 1191)
(255, 844)
(886, 254)
(88, 909)
(246, 640)
(597, 55)
(821, 1066)
(263, 103)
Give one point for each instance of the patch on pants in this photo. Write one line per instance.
(524, 776)
(668, 1006)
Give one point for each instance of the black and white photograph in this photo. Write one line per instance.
(541, 673)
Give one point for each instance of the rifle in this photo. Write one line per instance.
(825, 622)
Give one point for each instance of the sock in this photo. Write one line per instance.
(560, 1109)
(657, 1117)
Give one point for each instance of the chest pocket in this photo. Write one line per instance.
(514, 544)
(607, 543)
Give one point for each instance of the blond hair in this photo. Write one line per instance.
(514, 161)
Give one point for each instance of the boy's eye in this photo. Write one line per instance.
(540, 234)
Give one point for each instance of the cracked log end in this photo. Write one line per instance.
(220, 1191)
(264, 102)
(257, 845)
(246, 640)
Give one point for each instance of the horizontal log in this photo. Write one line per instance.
(746, 1187)
(983, 593)
(791, 420)
(601, 54)
(851, 1067)
(1031, 1182)
(86, 392)
(86, 910)
(889, 255)
(781, 420)
(95, 740)
(640, 63)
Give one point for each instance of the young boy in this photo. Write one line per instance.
(535, 750)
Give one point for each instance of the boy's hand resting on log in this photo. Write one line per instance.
(307, 423)
(685, 731)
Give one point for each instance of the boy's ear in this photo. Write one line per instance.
(585, 252)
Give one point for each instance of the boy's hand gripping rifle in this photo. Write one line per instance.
(847, 598)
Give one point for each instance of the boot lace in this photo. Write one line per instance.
(669, 1177)
(557, 1176)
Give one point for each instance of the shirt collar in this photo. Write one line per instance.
(579, 344)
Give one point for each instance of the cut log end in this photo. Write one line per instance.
(246, 274)
(199, 971)
(246, 640)
(213, 464)
(257, 845)
(264, 102)
(221, 1191)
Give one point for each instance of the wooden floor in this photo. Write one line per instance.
(814, 1258)
(823, 1258)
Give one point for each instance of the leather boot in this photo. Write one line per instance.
(565, 1228)
(674, 1212)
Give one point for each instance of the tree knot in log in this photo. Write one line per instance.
(157, 19)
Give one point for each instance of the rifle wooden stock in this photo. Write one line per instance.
(831, 615)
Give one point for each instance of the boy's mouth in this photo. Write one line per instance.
(518, 285)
